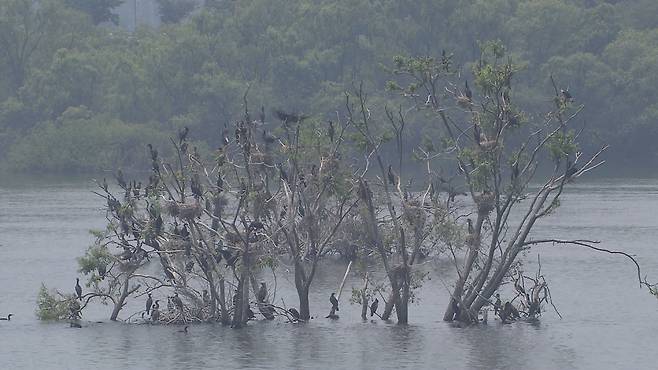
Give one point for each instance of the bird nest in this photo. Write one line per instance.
(183, 210)
(463, 101)
(176, 244)
(485, 202)
(488, 145)
(262, 158)
(414, 214)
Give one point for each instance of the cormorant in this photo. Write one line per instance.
(104, 185)
(250, 314)
(155, 311)
(262, 292)
(256, 225)
(515, 170)
(331, 131)
(282, 172)
(102, 270)
(301, 210)
(391, 175)
(571, 170)
(149, 303)
(268, 138)
(189, 266)
(566, 95)
(8, 318)
(334, 302)
(373, 307)
(158, 225)
(177, 301)
(455, 309)
(184, 330)
(78, 288)
(294, 313)
(471, 230)
(498, 304)
(184, 233)
(205, 297)
(477, 135)
(154, 152)
(121, 180)
(467, 91)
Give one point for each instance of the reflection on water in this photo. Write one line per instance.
(608, 321)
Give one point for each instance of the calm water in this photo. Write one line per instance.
(609, 323)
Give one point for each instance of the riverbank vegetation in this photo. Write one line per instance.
(200, 230)
(65, 68)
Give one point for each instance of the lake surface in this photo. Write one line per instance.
(608, 321)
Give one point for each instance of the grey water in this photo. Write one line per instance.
(608, 321)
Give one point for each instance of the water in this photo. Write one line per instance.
(608, 323)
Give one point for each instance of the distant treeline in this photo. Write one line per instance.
(79, 94)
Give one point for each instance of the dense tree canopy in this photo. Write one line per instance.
(60, 75)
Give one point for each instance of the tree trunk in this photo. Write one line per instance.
(119, 303)
(364, 299)
(390, 304)
(222, 302)
(468, 266)
(302, 290)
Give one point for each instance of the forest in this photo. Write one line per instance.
(79, 94)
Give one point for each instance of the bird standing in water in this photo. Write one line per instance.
(78, 288)
(334, 302)
(155, 312)
(373, 307)
(149, 303)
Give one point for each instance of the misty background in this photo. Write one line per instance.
(84, 85)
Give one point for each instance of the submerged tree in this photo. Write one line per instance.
(500, 155)
(314, 196)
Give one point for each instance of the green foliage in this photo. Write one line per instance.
(50, 307)
(302, 55)
(99, 10)
(173, 11)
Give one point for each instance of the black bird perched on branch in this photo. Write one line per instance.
(189, 266)
(182, 135)
(155, 311)
(373, 307)
(334, 302)
(177, 301)
(391, 175)
(566, 95)
(331, 131)
(498, 304)
(121, 180)
(269, 138)
(467, 91)
(78, 288)
(184, 233)
(515, 170)
(102, 270)
(294, 313)
(153, 152)
(8, 318)
(471, 230)
(149, 303)
(282, 172)
(571, 170)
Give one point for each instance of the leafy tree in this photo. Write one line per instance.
(100, 11)
(173, 11)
